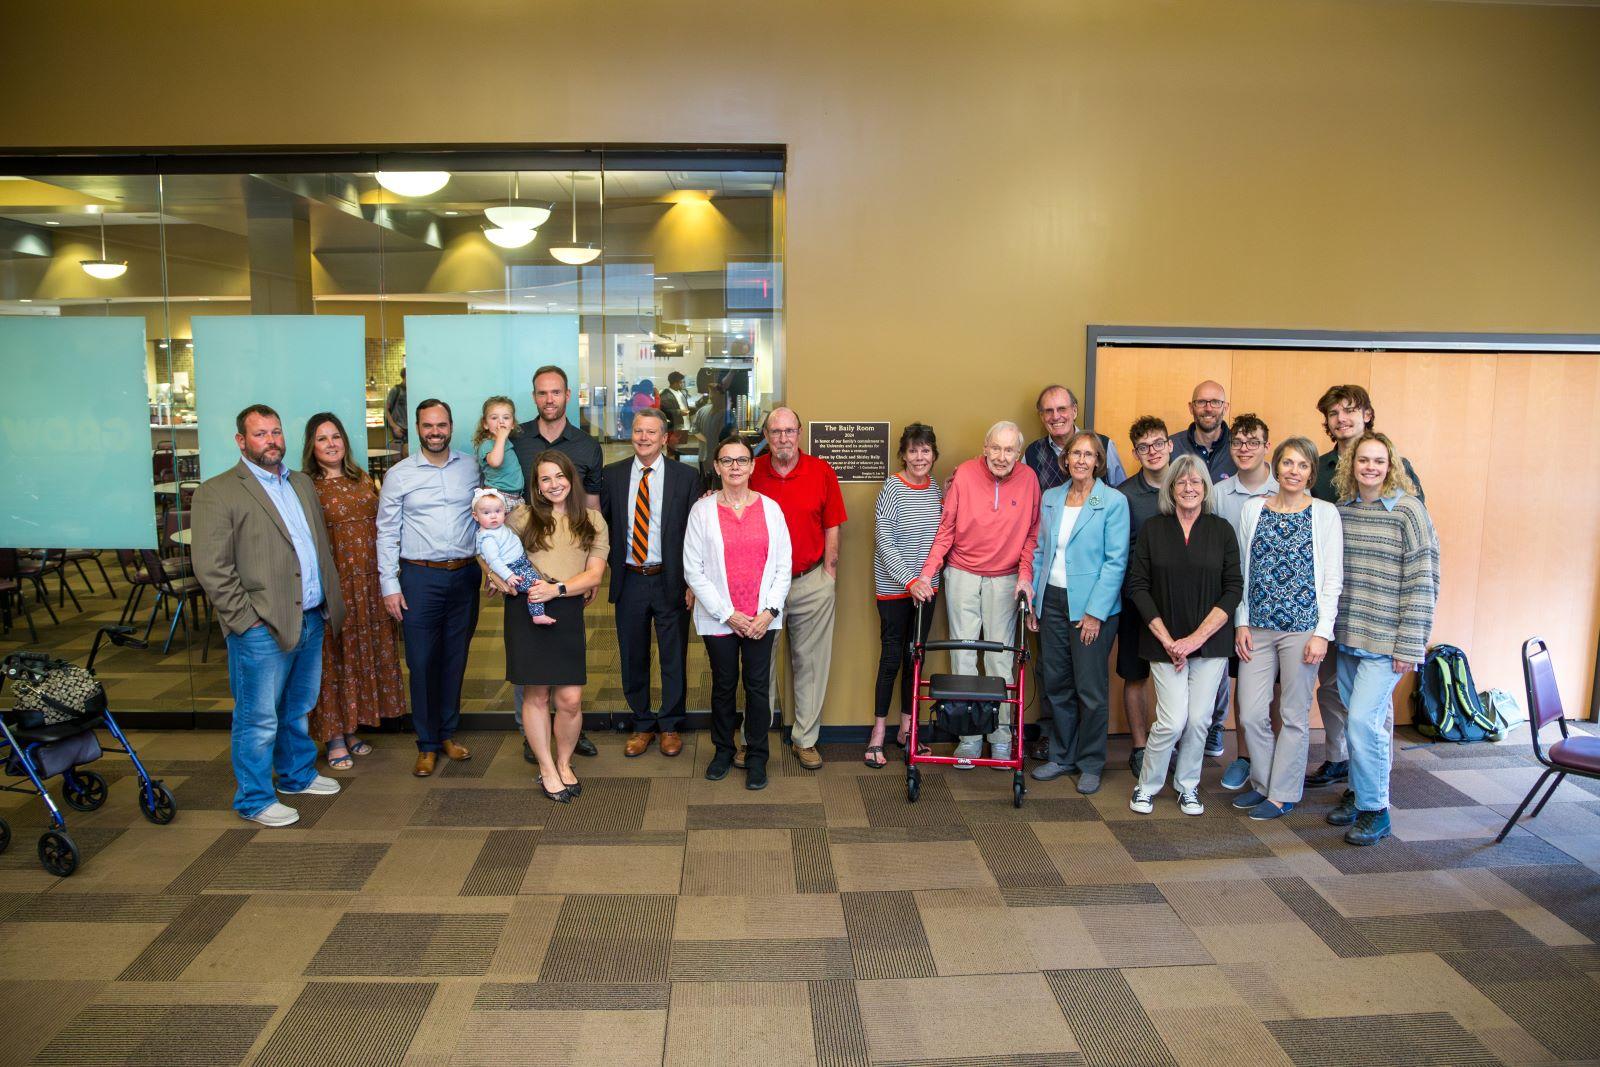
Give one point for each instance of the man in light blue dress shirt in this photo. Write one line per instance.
(428, 574)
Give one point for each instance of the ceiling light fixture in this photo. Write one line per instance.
(103, 268)
(575, 254)
(515, 224)
(413, 182)
(509, 237)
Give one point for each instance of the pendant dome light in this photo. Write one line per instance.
(103, 268)
(515, 221)
(575, 254)
(413, 182)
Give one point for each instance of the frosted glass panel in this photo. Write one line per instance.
(465, 359)
(298, 365)
(75, 433)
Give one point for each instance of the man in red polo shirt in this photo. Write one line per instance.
(807, 490)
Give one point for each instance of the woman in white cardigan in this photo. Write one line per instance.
(736, 559)
(1292, 553)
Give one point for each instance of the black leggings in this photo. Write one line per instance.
(896, 618)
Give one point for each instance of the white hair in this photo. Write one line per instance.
(1182, 467)
(1000, 427)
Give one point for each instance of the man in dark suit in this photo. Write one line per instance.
(646, 502)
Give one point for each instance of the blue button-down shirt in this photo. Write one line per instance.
(425, 513)
(658, 470)
(293, 514)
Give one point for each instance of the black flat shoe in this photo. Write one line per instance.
(576, 789)
(586, 746)
(563, 797)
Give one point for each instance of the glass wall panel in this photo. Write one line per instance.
(627, 276)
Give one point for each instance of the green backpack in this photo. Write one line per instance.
(1446, 705)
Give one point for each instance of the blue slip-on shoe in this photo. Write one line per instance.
(1237, 775)
(1247, 801)
(1268, 810)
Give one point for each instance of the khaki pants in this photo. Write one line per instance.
(1184, 701)
(803, 654)
(1277, 763)
(979, 608)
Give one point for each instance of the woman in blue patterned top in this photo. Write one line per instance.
(907, 517)
(1292, 551)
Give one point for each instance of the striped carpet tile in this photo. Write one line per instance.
(98, 907)
(1337, 932)
(1082, 895)
(887, 939)
(1012, 1059)
(181, 943)
(289, 865)
(480, 807)
(1552, 1002)
(813, 861)
(485, 747)
(762, 960)
(203, 868)
(1451, 931)
(348, 1024)
(407, 945)
(1423, 1039)
(611, 807)
(158, 1034)
(756, 816)
(884, 799)
(611, 938)
(836, 1029)
(1014, 856)
(572, 996)
(501, 864)
(1106, 1017)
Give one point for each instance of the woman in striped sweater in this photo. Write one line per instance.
(1391, 584)
(907, 518)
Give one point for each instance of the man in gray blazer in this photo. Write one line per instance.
(261, 553)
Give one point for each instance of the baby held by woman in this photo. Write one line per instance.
(502, 549)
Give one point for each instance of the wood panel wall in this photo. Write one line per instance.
(1491, 436)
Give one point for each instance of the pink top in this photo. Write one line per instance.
(744, 554)
(989, 526)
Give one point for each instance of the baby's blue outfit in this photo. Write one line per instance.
(502, 550)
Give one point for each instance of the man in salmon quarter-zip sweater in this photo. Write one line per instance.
(987, 534)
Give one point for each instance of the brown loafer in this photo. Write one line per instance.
(455, 751)
(425, 762)
(809, 757)
(638, 743)
(738, 757)
(671, 744)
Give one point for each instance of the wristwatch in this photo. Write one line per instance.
(561, 589)
(775, 612)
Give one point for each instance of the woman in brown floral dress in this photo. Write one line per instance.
(360, 665)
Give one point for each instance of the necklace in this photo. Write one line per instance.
(737, 507)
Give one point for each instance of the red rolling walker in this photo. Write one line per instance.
(937, 688)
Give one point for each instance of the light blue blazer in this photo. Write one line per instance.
(1097, 551)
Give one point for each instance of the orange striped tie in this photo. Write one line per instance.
(641, 520)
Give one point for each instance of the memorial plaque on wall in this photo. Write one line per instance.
(858, 451)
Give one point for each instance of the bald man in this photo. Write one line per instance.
(1207, 436)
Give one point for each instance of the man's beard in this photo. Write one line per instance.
(443, 445)
(260, 458)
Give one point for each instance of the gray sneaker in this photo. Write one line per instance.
(320, 785)
(967, 750)
(1000, 752)
(1088, 782)
(275, 815)
(1048, 772)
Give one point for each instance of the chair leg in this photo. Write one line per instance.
(177, 617)
(1540, 806)
(155, 609)
(67, 591)
(104, 577)
(87, 584)
(43, 597)
(1518, 813)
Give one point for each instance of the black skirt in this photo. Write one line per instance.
(546, 655)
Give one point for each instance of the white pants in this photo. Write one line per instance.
(979, 608)
(1184, 702)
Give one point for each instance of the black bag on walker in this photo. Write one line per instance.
(53, 758)
(966, 718)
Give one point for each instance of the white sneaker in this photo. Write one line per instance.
(1000, 752)
(275, 814)
(1142, 802)
(321, 786)
(1189, 803)
(967, 750)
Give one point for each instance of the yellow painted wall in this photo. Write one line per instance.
(968, 184)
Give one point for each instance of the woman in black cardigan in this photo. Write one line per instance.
(1185, 578)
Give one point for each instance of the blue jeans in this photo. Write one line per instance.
(1366, 683)
(273, 692)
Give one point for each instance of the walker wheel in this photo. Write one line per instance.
(5, 835)
(162, 809)
(1018, 790)
(913, 785)
(57, 853)
(85, 790)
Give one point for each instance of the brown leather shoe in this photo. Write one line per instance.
(455, 751)
(638, 743)
(671, 743)
(809, 757)
(738, 756)
(425, 762)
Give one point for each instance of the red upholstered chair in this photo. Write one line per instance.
(1578, 755)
